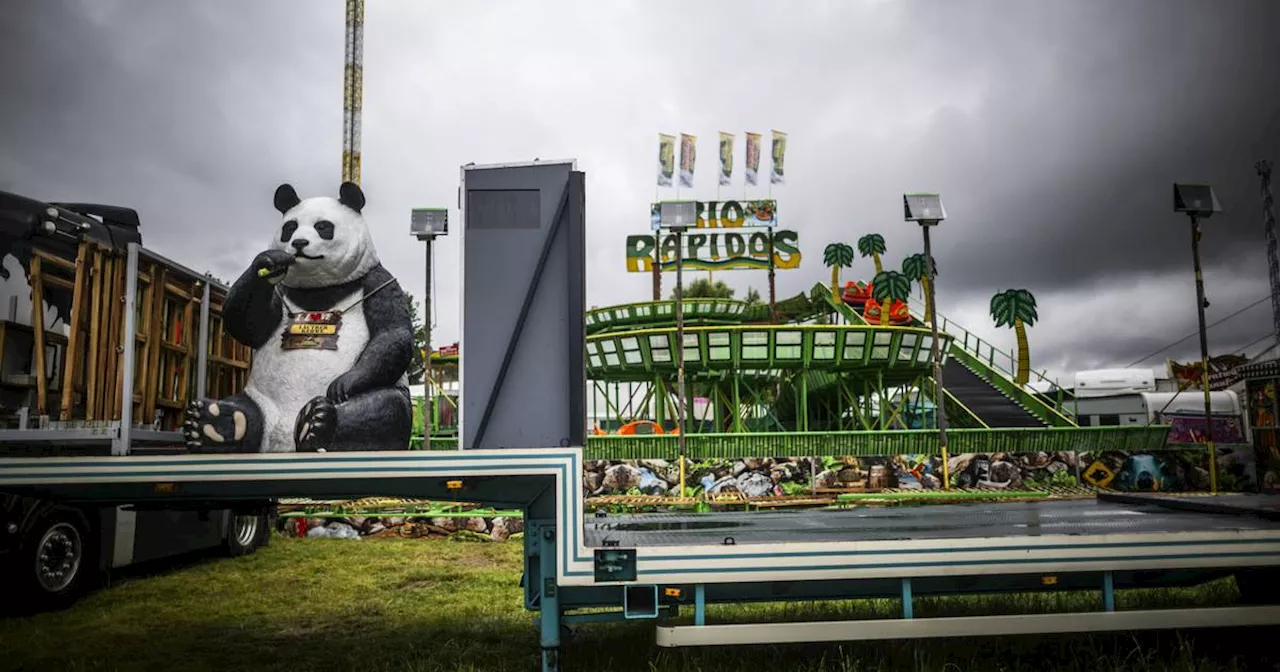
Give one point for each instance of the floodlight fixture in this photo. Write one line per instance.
(1196, 200)
(427, 223)
(925, 208)
(677, 215)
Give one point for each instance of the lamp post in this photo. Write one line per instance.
(1199, 202)
(926, 209)
(425, 224)
(677, 216)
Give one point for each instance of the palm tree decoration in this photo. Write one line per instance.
(1017, 308)
(916, 270)
(837, 256)
(887, 288)
(872, 245)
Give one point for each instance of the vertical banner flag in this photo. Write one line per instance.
(726, 158)
(688, 157)
(666, 159)
(779, 153)
(753, 157)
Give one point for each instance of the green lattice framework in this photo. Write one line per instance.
(732, 353)
(1093, 440)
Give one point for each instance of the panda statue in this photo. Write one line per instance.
(331, 336)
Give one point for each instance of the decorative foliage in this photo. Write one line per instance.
(887, 288)
(872, 245)
(916, 268)
(703, 288)
(837, 256)
(1017, 308)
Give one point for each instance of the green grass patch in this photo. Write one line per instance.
(413, 605)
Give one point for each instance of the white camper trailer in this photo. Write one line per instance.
(1142, 408)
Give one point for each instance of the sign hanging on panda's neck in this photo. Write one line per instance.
(312, 331)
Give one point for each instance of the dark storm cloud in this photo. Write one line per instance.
(1067, 167)
(185, 111)
(1053, 131)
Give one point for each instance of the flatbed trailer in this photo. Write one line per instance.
(651, 566)
(585, 567)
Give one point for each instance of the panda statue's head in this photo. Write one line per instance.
(327, 237)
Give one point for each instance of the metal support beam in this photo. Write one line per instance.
(202, 355)
(908, 611)
(128, 343)
(1108, 592)
(965, 626)
(699, 605)
(549, 604)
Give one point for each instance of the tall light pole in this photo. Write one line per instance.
(676, 217)
(926, 209)
(425, 224)
(1199, 202)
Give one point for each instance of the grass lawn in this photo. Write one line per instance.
(393, 604)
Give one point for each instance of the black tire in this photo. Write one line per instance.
(246, 531)
(57, 560)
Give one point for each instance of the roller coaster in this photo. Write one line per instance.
(821, 380)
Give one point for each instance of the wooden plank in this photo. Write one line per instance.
(178, 291)
(190, 333)
(60, 283)
(151, 378)
(37, 328)
(94, 355)
(72, 355)
(53, 259)
(115, 325)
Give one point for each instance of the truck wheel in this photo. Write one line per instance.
(246, 533)
(56, 561)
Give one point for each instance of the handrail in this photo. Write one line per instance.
(973, 344)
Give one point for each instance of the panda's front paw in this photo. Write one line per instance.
(316, 426)
(272, 264)
(208, 427)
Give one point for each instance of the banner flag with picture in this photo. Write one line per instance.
(753, 157)
(726, 159)
(688, 157)
(779, 154)
(666, 159)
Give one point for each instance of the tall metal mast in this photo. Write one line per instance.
(1273, 263)
(352, 92)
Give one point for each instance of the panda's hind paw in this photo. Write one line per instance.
(208, 425)
(316, 426)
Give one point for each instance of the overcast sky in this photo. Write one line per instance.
(1052, 129)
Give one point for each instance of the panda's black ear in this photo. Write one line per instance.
(286, 198)
(349, 194)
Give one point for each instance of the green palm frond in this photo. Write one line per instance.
(831, 254)
(837, 254)
(846, 255)
(1014, 304)
(890, 286)
(871, 244)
